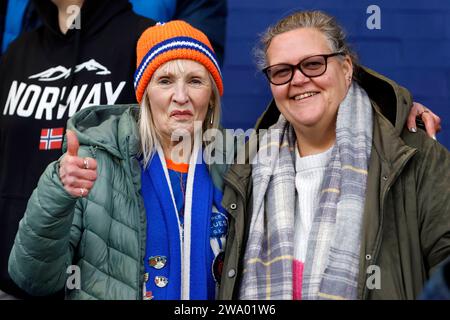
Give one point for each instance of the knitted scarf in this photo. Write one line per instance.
(187, 248)
(332, 259)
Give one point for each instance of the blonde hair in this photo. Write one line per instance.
(149, 135)
(318, 20)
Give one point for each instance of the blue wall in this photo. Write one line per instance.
(412, 47)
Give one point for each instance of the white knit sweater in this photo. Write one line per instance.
(310, 171)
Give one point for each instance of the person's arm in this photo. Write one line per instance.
(433, 191)
(431, 121)
(51, 228)
(48, 234)
(210, 17)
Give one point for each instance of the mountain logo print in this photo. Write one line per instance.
(61, 72)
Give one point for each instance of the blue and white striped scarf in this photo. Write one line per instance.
(193, 246)
(332, 259)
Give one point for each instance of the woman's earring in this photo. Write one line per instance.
(211, 118)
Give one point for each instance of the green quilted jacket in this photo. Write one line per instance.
(101, 238)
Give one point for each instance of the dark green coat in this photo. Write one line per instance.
(406, 226)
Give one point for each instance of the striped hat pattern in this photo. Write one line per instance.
(164, 42)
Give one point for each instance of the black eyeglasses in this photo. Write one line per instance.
(311, 67)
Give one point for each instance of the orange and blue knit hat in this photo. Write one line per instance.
(173, 40)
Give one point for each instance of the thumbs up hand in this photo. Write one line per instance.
(77, 174)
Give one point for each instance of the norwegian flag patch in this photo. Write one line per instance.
(51, 139)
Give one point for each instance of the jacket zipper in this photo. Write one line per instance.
(140, 277)
(376, 250)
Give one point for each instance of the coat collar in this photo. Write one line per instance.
(387, 143)
(391, 105)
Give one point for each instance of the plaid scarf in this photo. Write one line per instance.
(332, 259)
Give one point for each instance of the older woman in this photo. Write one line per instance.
(118, 214)
(342, 201)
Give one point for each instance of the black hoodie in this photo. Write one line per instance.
(45, 77)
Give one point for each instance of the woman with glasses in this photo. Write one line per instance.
(341, 201)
